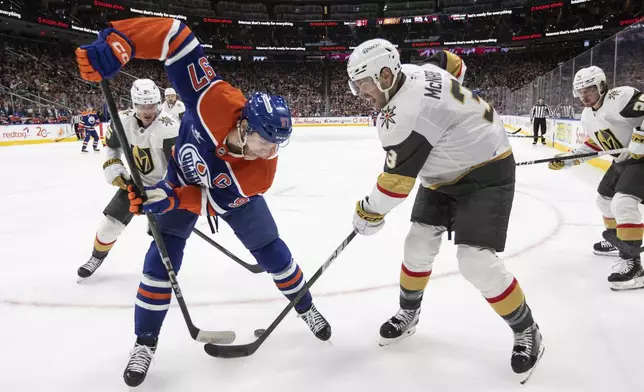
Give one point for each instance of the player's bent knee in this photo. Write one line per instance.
(626, 208)
(153, 265)
(421, 246)
(483, 269)
(273, 257)
(109, 229)
(604, 205)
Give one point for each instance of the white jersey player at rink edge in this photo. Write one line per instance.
(433, 128)
(152, 134)
(172, 104)
(612, 119)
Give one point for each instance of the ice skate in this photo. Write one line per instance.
(526, 352)
(317, 323)
(605, 248)
(139, 363)
(86, 270)
(627, 275)
(399, 327)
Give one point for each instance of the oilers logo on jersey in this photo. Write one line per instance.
(193, 166)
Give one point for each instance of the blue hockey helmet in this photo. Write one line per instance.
(269, 116)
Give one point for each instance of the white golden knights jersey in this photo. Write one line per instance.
(611, 126)
(151, 146)
(176, 109)
(436, 130)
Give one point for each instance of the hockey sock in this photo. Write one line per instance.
(610, 223)
(151, 305)
(290, 281)
(101, 249)
(412, 287)
(512, 307)
(108, 231)
(276, 259)
(631, 234)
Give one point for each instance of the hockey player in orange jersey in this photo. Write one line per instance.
(225, 157)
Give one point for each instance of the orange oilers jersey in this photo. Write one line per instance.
(213, 108)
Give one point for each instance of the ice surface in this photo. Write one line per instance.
(57, 335)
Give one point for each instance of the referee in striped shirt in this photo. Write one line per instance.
(76, 119)
(538, 119)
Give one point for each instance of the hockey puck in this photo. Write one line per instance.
(259, 332)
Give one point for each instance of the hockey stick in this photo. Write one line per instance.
(611, 236)
(197, 334)
(254, 268)
(567, 157)
(513, 135)
(515, 132)
(245, 350)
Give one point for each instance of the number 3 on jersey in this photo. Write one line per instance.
(200, 82)
(457, 93)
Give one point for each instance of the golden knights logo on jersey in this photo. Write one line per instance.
(143, 159)
(387, 116)
(167, 121)
(608, 140)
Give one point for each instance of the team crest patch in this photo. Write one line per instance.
(193, 165)
(167, 121)
(143, 159)
(387, 116)
(613, 94)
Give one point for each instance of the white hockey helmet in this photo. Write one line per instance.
(369, 58)
(170, 91)
(145, 92)
(587, 77)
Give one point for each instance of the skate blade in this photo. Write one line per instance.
(524, 377)
(386, 342)
(612, 253)
(633, 284)
(81, 280)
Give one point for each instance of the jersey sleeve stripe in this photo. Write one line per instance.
(176, 27)
(590, 143)
(189, 47)
(395, 185)
(180, 41)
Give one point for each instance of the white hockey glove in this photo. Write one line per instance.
(115, 173)
(366, 222)
(561, 164)
(636, 147)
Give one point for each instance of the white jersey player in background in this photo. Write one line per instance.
(152, 134)
(612, 119)
(434, 129)
(172, 105)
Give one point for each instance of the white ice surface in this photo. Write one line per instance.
(56, 335)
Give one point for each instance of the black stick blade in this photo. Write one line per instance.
(241, 351)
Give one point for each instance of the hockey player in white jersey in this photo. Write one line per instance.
(612, 119)
(434, 129)
(151, 134)
(172, 105)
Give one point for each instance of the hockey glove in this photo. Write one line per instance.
(561, 164)
(104, 58)
(157, 199)
(366, 222)
(636, 146)
(116, 174)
